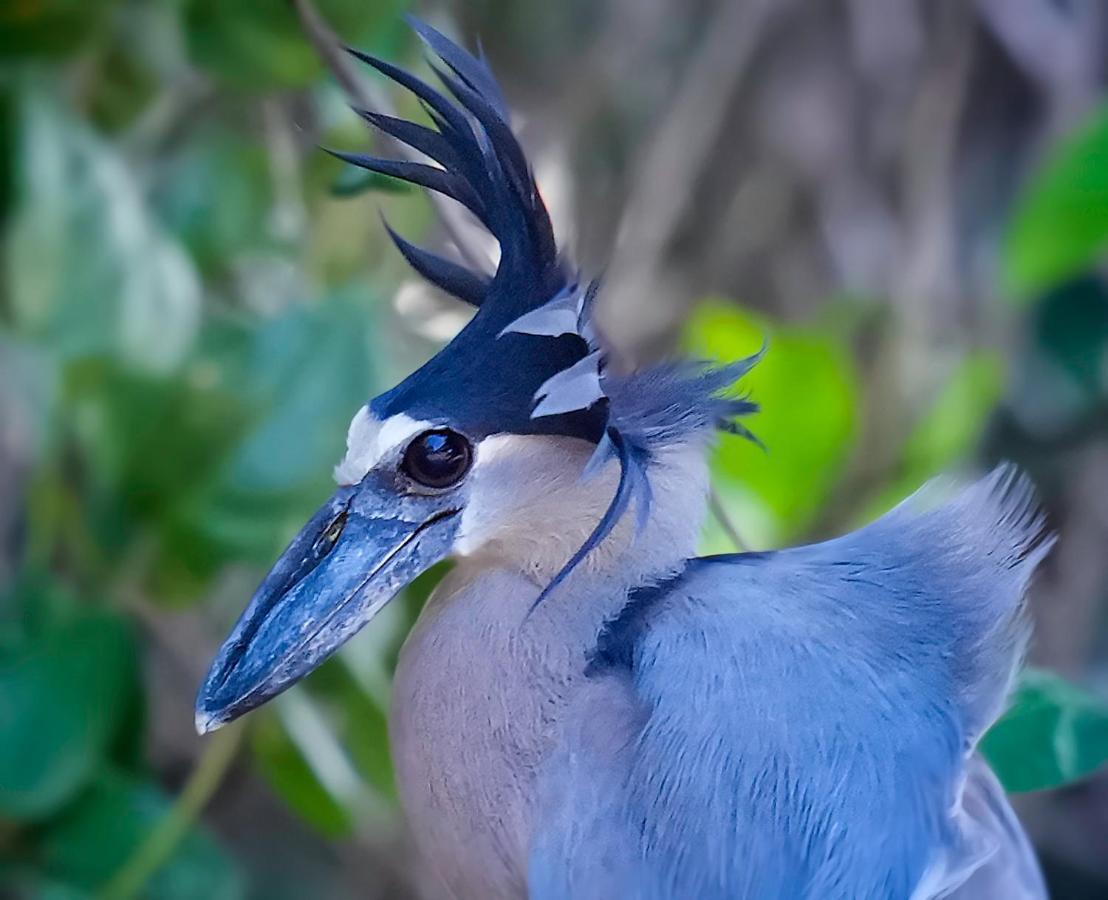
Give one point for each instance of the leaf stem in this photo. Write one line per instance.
(130, 879)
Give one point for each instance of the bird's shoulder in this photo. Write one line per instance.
(924, 608)
(809, 713)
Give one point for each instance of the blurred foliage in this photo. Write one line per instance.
(99, 833)
(260, 45)
(90, 271)
(188, 319)
(807, 390)
(164, 341)
(1054, 733)
(947, 432)
(1060, 225)
(71, 692)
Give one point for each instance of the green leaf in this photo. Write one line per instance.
(281, 764)
(1060, 224)
(150, 442)
(1054, 733)
(1059, 386)
(216, 196)
(152, 439)
(46, 28)
(807, 391)
(24, 882)
(306, 373)
(952, 426)
(360, 722)
(261, 44)
(88, 271)
(66, 694)
(88, 843)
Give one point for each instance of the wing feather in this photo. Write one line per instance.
(808, 719)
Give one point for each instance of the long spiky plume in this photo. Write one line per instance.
(478, 162)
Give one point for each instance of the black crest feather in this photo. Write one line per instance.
(477, 162)
(532, 360)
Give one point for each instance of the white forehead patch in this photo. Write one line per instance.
(369, 438)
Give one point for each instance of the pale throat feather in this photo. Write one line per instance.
(484, 678)
(530, 509)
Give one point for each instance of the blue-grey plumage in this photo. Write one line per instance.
(791, 724)
(586, 709)
(813, 716)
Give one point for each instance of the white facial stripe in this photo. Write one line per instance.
(368, 439)
(360, 438)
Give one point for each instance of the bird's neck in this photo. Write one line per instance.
(484, 680)
(628, 558)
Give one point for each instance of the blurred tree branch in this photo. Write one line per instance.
(675, 159)
(1059, 46)
(465, 235)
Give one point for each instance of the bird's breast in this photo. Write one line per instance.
(478, 702)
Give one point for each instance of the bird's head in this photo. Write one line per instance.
(518, 433)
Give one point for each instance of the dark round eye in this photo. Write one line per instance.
(438, 458)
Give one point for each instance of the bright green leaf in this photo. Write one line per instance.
(807, 391)
(953, 425)
(1054, 733)
(64, 695)
(1060, 224)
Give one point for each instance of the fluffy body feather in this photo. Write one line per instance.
(813, 713)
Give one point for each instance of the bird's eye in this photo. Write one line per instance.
(438, 458)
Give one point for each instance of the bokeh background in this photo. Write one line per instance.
(909, 198)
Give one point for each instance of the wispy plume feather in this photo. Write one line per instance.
(475, 160)
(646, 411)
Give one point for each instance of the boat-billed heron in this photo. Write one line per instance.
(586, 709)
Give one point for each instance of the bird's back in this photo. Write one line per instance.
(810, 718)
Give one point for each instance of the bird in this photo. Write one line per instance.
(585, 707)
